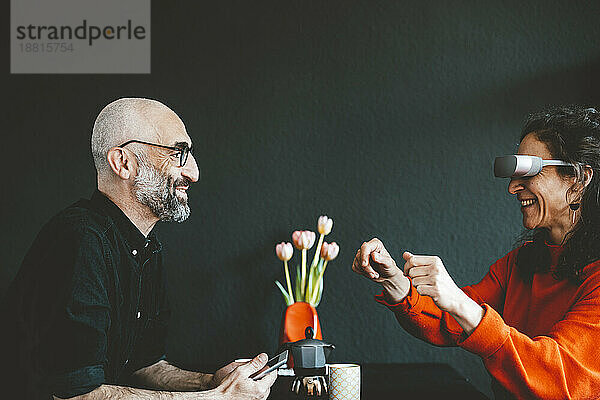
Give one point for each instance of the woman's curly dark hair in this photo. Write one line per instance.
(572, 134)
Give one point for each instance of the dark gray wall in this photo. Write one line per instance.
(384, 115)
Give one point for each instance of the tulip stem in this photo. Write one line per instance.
(287, 278)
(303, 287)
(315, 291)
(318, 251)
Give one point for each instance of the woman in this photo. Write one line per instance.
(534, 319)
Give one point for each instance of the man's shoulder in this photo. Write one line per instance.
(70, 230)
(79, 219)
(73, 238)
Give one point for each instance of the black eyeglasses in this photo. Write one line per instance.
(181, 147)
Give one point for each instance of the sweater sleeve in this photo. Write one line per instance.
(560, 365)
(419, 315)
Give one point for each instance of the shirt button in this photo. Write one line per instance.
(134, 252)
(139, 314)
(146, 245)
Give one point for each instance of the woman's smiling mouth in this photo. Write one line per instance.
(527, 202)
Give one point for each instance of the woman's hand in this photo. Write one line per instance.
(374, 262)
(430, 278)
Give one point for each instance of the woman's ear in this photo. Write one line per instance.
(577, 188)
(588, 174)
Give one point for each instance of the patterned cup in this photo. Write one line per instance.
(344, 381)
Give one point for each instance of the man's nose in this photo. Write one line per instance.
(515, 185)
(190, 169)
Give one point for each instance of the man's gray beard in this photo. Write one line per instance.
(153, 189)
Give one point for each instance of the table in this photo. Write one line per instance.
(399, 380)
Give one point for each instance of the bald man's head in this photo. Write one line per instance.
(126, 119)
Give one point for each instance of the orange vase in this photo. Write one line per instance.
(296, 319)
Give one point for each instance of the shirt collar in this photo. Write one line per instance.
(555, 251)
(134, 238)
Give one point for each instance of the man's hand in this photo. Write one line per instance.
(222, 373)
(235, 385)
(239, 385)
(373, 261)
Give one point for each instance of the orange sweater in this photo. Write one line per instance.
(538, 340)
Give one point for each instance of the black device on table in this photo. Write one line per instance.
(272, 365)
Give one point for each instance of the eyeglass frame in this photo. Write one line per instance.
(184, 152)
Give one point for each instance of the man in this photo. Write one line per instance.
(86, 316)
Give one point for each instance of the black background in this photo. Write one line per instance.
(384, 115)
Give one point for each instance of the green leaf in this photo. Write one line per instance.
(289, 301)
(320, 293)
(312, 279)
(313, 265)
(318, 285)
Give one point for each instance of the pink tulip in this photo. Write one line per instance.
(324, 225)
(296, 239)
(308, 238)
(324, 247)
(332, 251)
(284, 251)
(303, 240)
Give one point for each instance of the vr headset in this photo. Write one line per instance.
(516, 166)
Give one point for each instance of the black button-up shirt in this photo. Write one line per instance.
(88, 306)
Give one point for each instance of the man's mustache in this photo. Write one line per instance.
(181, 182)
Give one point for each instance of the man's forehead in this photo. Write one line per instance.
(171, 131)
